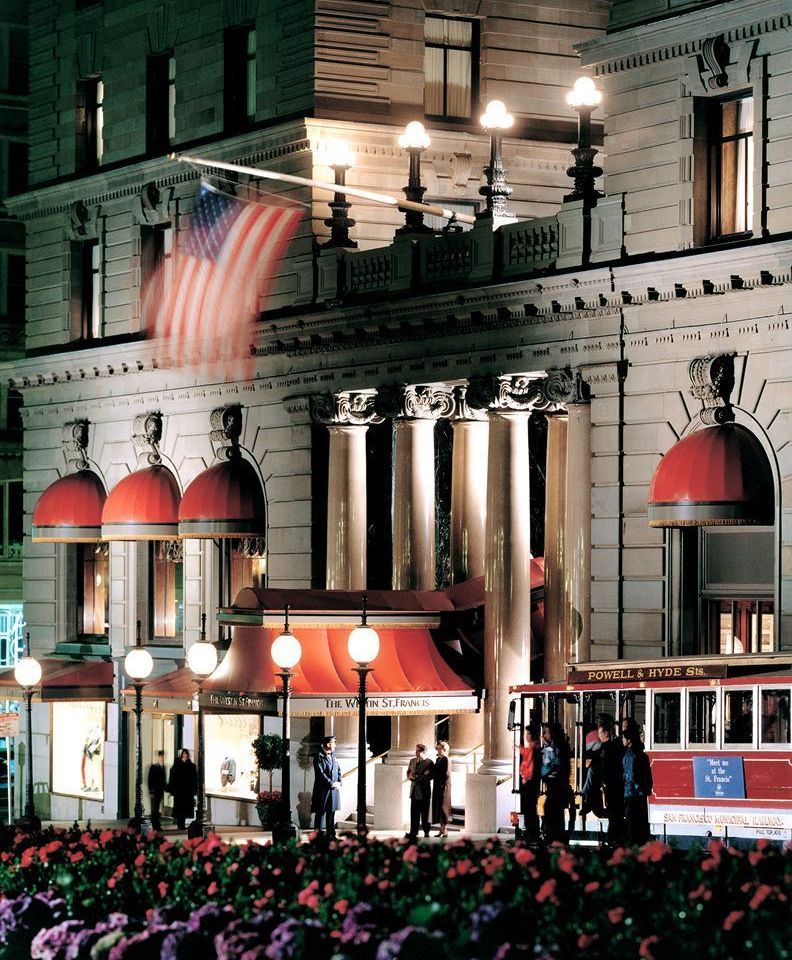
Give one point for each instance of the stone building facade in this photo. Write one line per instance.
(569, 331)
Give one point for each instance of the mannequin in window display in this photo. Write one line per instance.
(227, 771)
(90, 765)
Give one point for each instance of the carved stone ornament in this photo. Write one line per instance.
(146, 437)
(251, 548)
(712, 382)
(169, 551)
(74, 438)
(345, 408)
(84, 221)
(713, 61)
(463, 410)
(152, 205)
(429, 402)
(511, 392)
(226, 424)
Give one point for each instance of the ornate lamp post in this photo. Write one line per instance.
(339, 159)
(363, 646)
(583, 98)
(137, 666)
(495, 120)
(286, 652)
(202, 660)
(414, 140)
(28, 674)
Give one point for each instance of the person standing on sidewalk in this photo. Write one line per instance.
(326, 796)
(441, 788)
(156, 788)
(419, 773)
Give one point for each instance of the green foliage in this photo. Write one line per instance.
(268, 749)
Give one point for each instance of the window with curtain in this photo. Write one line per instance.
(93, 588)
(731, 165)
(167, 584)
(89, 125)
(86, 290)
(450, 67)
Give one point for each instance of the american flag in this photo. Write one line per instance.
(202, 304)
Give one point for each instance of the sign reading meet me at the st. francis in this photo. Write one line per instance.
(719, 778)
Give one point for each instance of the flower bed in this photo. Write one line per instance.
(111, 895)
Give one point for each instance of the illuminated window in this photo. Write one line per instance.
(93, 588)
(450, 67)
(89, 119)
(86, 290)
(167, 586)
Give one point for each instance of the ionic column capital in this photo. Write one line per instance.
(429, 401)
(525, 392)
(348, 408)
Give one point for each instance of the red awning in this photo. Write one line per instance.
(226, 500)
(70, 510)
(64, 680)
(143, 506)
(716, 476)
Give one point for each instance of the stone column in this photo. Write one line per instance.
(556, 645)
(578, 525)
(414, 506)
(346, 508)
(468, 498)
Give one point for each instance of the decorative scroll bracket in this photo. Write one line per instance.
(74, 438)
(226, 429)
(712, 382)
(147, 436)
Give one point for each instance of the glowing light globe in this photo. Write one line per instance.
(414, 137)
(584, 93)
(286, 650)
(202, 658)
(138, 663)
(363, 644)
(27, 672)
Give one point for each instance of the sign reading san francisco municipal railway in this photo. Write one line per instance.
(660, 672)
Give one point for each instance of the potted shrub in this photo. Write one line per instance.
(268, 749)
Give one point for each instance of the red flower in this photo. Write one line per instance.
(305, 894)
(410, 855)
(585, 940)
(616, 915)
(523, 856)
(464, 866)
(212, 889)
(591, 887)
(488, 887)
(619, 854)
(734, 917)
(701, 891)
(341, 906)
(77, 856)
(762, 893)
(645, 950)
(369, 880)
(382, 885)
(162, 887)
(491, 865)
(451, 873)
(140, 859)
(546, 891)
(653, 852)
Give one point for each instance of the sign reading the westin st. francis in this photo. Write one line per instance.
(719, 778)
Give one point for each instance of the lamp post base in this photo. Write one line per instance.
(141, 825)
(284, 831)
(199, 828)
(29, 823)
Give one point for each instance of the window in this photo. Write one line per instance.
(10, 519)
(15, 287)
(450, 67)
(156, 255)
(89, 118)
(775, 716)
(13, 60)
(667, 719)
(167, 583)
(738, 716)
(239, 90)
(86, 290)
(93, 593)
(701, 721)
(730, 166)
(160, 102)
(17, 179)
(241, 563)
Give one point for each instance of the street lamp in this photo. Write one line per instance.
(363, 646)
(28, 673)
(137, 666)
(339, 158)
(584, 98)
(495, 119)
(286, 652)
(414, 140)
(202, 660)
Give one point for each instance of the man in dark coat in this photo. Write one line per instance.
(156, 788)
(419, 773)
(326, 795)
(183, 784)
(611, 776)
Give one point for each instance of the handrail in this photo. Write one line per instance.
(479, 746)
(370, 760)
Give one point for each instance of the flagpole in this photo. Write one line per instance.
(324, 185)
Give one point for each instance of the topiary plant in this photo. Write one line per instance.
(268, 749)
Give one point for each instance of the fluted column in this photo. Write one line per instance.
(555, 601)
(578, 525)
(468, 498)
(414, 506)
(346, 508)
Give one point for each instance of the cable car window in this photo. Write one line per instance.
(596, 705)
(701, 719)
(632, 706)
(738, 716)
(775, 716)
(667, 718)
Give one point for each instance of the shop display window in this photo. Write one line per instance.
(78, 740)
(231, 769)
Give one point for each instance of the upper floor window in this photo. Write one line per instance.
(730, 165)
(89, 118)
(160, 102)
(17, 167)
(12, 291)
(156, 251)
(450, 67)
(86, 290)
(10, 519)
(239, 89)
(93, 588)
(167, 587)
(13, 60)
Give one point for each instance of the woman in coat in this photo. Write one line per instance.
(555, 775)
(441, 788)
(637, 785)
(183, 785)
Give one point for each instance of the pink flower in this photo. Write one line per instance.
(162, 887)
(369, 880)
(585, 940)
(76, 857)
(591, 887)
(762, 893)
(341, 906)
(734, 917)
(312, 902)
(140, 859)
(653, 852)
(546, 891)
(645, 950)
(211, 890)
(464, 866)
(491, 865)
(488, 887)
(616, 915)
(410, 855)
(523, 856)
(451, 873)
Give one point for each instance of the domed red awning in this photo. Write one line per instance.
(143, 506)
(716, 476)
(70, 510)
(226, 500)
